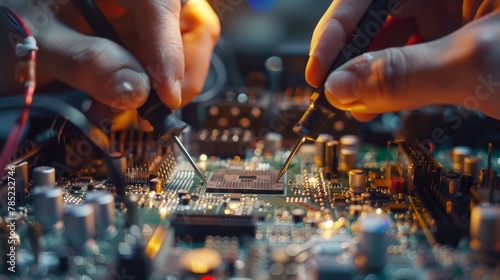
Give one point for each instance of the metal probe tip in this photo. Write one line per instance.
(291, 156)
(190, 159)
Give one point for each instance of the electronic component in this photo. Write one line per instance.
(79, 226)
(245, 181)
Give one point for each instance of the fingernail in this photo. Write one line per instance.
(178, 88)
(131, 82)
(342, 86)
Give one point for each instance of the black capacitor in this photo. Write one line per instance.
(332, 156)
(298, 215)
(466, 183)
(186, 199)
(181, 193)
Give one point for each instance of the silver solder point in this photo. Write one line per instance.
(190, 159)
(290, 157)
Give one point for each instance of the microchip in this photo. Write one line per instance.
(245, 181)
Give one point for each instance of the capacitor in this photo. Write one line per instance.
(319, 149)
(186, 199)
(450, 183)
(44, 175)
(458, 156)
(466, 183)
(396, 185)
(373, 241)
(485, 229)
(349, 141)
(272, 142)
(348, 158)
(104, 211)
(119, 161)
(48, 207)
(156, 185)
(181, 193)
(357, 180)
(472, 165)
(332, 156)
(298, 215)
(80, 226)
(132, 260)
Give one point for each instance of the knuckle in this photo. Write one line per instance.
(392, 72)
(89, 54)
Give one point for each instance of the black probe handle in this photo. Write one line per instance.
(160, 117)
(366, 30)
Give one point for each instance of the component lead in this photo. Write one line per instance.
(291, 156)
(190, 159)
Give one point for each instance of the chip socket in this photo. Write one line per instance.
(245, 181)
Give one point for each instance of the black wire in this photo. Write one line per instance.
(97, 21)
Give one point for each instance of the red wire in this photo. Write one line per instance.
(16, 132)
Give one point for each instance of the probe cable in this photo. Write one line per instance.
(25, 73)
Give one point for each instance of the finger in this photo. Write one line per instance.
(144, 125)
(395, 32)
(157, 24)
(394, 79)
(331, 32)
(97, 66)
(362, 117)
(201, 29)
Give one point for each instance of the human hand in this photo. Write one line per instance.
(168, 47)
(457, 64)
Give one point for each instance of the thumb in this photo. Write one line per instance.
(399, 79)
(101, 68)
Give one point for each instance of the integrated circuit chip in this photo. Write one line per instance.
(245, 181)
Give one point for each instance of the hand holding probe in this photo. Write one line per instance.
(166, 127)
(320, 110)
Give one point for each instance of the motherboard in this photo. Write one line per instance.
(117, 205)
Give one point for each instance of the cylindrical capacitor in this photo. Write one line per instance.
(44, 176)
(48, 207)
(349, 141)
(357, 180)
(272, 142)
(319, 149)
(332, 156)
(348, 158)
(80, 227)
(373, 241)
(485, 229)
(458, 156)
(104, 210)
(119, 161)
(472, 165)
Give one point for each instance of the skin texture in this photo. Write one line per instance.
(168, 46)
(456, 61)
